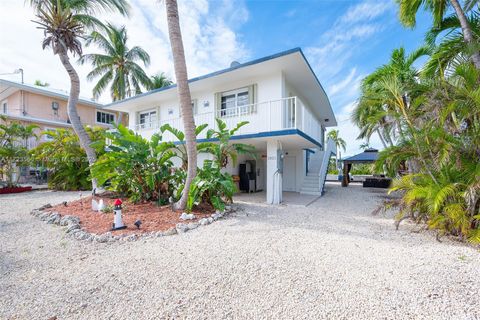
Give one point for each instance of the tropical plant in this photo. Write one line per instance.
(64, 23)
(180, 66)
(117, 65)
(180, 147)
(65, 159)
(222, 149)
(339, 143)
(159, 80)
(41, 84)
(438, 8)
(136, 167)
(375, 112)
(13, 149)
(211, 187)
(434, 118)
(448, 45)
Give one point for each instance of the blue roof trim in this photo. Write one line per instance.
(216, 73)
(263, 135)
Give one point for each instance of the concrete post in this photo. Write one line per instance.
(274, 185)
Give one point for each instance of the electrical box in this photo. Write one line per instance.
(280, 157)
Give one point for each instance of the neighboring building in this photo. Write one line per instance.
(47, 108)
(287, 110)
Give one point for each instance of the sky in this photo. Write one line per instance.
(344, 40)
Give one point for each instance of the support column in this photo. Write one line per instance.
(274, 177)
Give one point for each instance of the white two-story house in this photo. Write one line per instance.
(285, 105)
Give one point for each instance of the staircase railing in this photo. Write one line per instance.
(331, 149)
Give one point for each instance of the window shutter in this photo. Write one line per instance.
(252, 94)
(218, 101)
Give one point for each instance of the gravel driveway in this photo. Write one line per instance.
(331, 260)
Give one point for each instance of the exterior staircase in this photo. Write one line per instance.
(314, 182)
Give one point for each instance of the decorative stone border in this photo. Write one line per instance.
(74, 230)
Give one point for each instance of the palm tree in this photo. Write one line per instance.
(339, 143)
(41, 84)
(409, 9)
(64, 23)
(181, 76)
(159, 80)
(375, 112)
(117, 64)
(451, 50)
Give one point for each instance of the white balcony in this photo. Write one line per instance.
(270, 116)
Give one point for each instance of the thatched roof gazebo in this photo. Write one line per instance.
(369, 155)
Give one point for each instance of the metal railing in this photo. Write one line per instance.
(267, 116)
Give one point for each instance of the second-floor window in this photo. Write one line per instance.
(234, 102)
(4, 107)
(147, 119)
(105, 117)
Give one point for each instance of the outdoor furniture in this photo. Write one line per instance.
(377, 182)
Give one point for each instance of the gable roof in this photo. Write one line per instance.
(8, 87)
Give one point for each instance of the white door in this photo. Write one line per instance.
(289, 182)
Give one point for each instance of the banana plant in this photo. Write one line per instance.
(223, 150)
(136, 167)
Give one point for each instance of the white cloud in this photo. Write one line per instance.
(366, 11)
(337, 87)
(332, 54)
(209, 35)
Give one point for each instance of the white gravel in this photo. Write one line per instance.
(331, 260)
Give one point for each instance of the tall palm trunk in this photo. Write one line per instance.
(381, 138)
(467, 30)
(181, 76)
(83, 137)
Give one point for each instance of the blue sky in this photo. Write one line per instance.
(343, 41)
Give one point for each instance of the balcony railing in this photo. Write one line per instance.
(275, 115)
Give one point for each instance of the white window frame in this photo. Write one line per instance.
(46, 137)
(4, 107)
(237, 109)
(105, 112)
(148, 125)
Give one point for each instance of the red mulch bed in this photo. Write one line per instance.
(7, 190)
(153, 217)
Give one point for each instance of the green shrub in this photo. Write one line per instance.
(211, 186)
(66, 160)
(136, 167)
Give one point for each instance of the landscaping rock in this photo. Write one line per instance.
(66, 220)
(44, 216)
(82, 235)
(184, 227)
(204, 221)
(170, 232)
(181, 227)
(187, 216)
(104, 237)
(193, 225)
(54, 218)
(217, 215)
(35, 212)
(132, 237)
(45, 206)
(72, 227)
